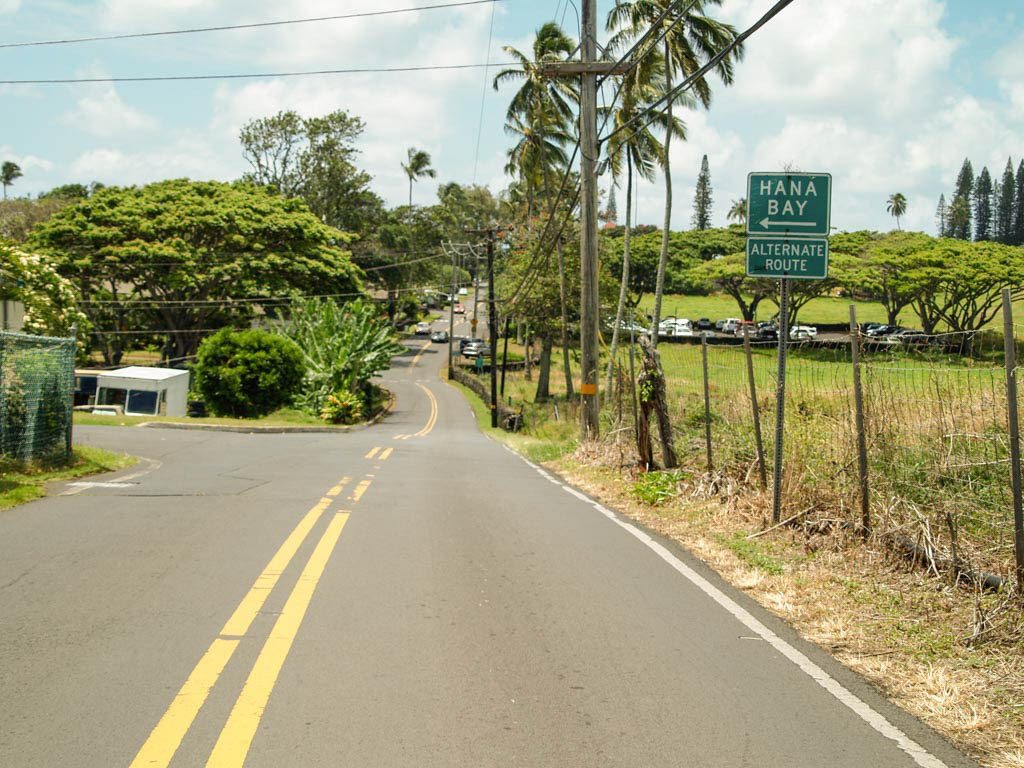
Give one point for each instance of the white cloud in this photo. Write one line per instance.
(191, 156)
(9, 6)
(102, 112)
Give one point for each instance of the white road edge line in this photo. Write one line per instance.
(874, 719)
(77, 487)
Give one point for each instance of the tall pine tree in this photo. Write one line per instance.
(702, 197)
(983, 206)
(1018, 208)
(1004, 205)
(942, 217)
(960, 225)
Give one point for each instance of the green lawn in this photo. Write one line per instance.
(19, 484)
(286, 417)
(720, 306)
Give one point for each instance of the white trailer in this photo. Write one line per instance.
(142, 391)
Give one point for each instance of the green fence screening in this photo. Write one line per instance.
(36, 383)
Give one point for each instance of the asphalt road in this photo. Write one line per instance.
(410, 594)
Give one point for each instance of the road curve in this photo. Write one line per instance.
(409, 594)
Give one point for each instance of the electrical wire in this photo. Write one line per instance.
(253, 75)
(711, 63)
(256, 25)
(483, 97)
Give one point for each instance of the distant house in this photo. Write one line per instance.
(141, 391)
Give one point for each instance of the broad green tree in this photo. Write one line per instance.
(314, 158)
(49, 299)
(9, 172)
(417, 165)
(896, 206)
(728, 274)
(190, 257)
(688, 42)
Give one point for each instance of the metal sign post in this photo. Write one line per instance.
(780, 401)
(789, 216)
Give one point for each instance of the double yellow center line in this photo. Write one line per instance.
(431, 420)
(235, 739)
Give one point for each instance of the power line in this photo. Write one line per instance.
(254, 75)
(711, 63)
(256, 25)
(483, 97)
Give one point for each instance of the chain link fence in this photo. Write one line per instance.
(36, 384)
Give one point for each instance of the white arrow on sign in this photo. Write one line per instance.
(766, 222)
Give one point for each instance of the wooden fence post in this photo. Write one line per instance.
(758, 441)
(862, 439)
(1010, 347)
(707, 400)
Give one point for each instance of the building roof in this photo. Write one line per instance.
(145, 373)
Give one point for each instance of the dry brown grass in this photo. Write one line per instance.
(947, 654)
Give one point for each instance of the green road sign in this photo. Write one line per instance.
(799, 258)
(789, 204)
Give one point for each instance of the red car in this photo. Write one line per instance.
(459, 309)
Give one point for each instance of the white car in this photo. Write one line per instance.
(684, 327)
(798, 332)
(732, 325)
(422, 329)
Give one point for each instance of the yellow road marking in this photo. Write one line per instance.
(337, 489)
(233, 744)
(373, 452)
(433, 413)
(419, 354)
(385, 454)
(399, 437)
(165, 739)
(359, 490)
(252, 603)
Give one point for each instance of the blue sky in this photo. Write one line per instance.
(887, 95)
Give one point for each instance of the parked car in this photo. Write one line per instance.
(422, 329)
(719, 324)
(684, 327)
(704, 324)
(440, 337)
(910, 336)
(882, 330)
(667, 328)
(732, 325)
(477, 348)
(766, 332)
(459, 309)
(802, 332)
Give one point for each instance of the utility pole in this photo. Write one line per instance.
(451, 313)
(476, 288)
(492, 323)
(588, 68)
(590, 361)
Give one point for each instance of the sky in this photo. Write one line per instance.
(886, 95)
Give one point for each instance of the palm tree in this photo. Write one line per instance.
(688, 42)
(897, 206)
(9, 172)
(418, 166)
(642, 151)
(738, 212)
(540, 114)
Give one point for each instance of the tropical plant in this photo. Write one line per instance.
(897, 206)
(9, 171)
(342, 407)
(49, 299)
(637, 144)
(247, 374)
(688, 41)
(738, 211)
(417, 166)
(343, 346)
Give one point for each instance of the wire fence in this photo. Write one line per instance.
(936, 429)
(36, 385)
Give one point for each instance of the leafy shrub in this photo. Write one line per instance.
(342, 408)
(248, 373)
(344, 346)
(657, 488)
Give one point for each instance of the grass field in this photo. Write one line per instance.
(286, 417)
(19, 483)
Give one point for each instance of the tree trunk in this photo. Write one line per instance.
(624, 283)
(659, 287)
(528, 346)
(653, 397)
(569, 393)
(544, 376)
